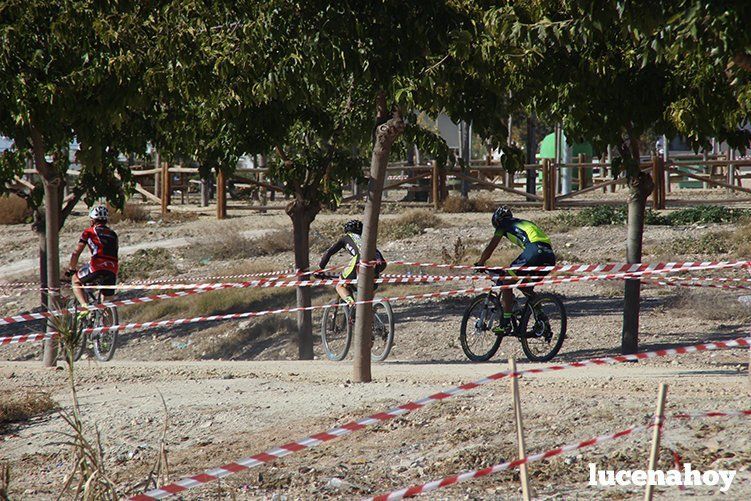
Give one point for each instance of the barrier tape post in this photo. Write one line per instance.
(523, 478)
(656, 434)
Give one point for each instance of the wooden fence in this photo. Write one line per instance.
(429, 185)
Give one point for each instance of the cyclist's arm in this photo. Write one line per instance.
(339, 245)
(75, 255)
(489, 250)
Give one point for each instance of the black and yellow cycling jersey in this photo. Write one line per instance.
(352, 243)
(521, 232)
(535, 243)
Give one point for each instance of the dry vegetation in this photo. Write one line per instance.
(234, 246)
(483, 203)
(147, 262)
(211, 303)
(13, 210)
(16, 407)
(409, 224)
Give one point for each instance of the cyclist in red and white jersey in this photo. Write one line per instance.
(102, 268)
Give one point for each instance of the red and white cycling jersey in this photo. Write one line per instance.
(102, 242)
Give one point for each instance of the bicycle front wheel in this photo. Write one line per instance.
(336, 331)
(543, 327)
(383, 331)
(479, 342)
(105, 342)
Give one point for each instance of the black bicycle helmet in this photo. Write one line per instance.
(500, 214)
(353, 226)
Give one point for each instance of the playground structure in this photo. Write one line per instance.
(427, 184)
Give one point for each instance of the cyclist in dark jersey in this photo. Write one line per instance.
(536, 251)
(103, 244)
(351, 242)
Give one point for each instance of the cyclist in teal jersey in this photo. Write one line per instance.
(536, 251)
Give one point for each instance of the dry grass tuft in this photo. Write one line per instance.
(135, 213)
(145, 262)
(482, 203)
(179, 217)
(22, 407)
(14, 210)
(235, 246)
(409, 224)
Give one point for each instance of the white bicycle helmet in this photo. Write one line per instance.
(99, 213)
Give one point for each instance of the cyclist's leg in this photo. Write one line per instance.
(80, 278)
(349, 273)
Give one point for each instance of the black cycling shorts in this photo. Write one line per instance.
(534, 255)
(99, 277)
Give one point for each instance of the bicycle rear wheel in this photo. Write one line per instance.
(479, 342)
(383, 331)
(336, 331)
(543, 327)
(105, 342)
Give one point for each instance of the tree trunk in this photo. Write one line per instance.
(464, 148)
(640, 187)
(302, 217)
(52, 207)
(385, 135)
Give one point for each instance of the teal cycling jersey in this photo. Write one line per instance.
(521, 232)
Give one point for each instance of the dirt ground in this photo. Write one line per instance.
(234, 389)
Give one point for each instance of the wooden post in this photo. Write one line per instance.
(545, 183)
(221, 196)
(158, 175)
(656, 434)
(656, 184)
(262, 165)
(166, 188)
(582, 173)
(663, 196)
(553, 178)
(523, 477)
(435, 178)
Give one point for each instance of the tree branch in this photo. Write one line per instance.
(38, 150)
(77, 194)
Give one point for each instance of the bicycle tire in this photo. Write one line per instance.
(105, 342)
(525, 337)
(389, 337)
(330, 327)
(495, 340)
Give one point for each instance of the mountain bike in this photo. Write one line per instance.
(101, 343)
(338, 323)
(538, 321)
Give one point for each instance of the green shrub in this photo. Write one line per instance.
(706, 214)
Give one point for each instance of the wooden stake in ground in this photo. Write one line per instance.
(519, 429)
(657, 433)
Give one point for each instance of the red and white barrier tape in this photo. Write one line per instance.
(232, 316)
(446, 278)
(472, 474)
(693, 283)
(574, 268)
(261, 283)
(352, 426)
